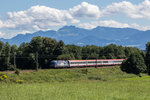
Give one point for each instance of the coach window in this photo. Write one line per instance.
(105, 61)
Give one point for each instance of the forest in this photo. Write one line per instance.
(43, 50)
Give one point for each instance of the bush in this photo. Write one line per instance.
(94, 77)
(17, 71)
(134, 64)
(84, 71)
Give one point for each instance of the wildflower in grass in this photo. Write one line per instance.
(20, 81)
(4, 76)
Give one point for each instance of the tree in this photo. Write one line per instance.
(60, 49)
(49, 46)
(64, 57)
(1, 46)
(134, 64)
(129, 50)
(1, 55)
(119, 52)
(93, 56)
(47, 54)
(5, 57)
(109, 51)
(36, 44)
(74, 51)
(22, 61)
(85, 52)
(147, 58)
(13, 52)
(90, 50)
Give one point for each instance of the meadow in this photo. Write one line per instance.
(76, 84)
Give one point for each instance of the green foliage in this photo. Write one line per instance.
(94, 77)
(90, 52)
(147, 58)
(112, 52)
(36, 44)
(64, 57)
(74, 51)
(17, 71)
(5, 56)
(60, 48)
(1, 47)
(49, 46)
(84, 71)
(134, 64)
(1, 78)
(93, 56)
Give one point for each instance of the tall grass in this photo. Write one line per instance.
(76, 84)
(83, 90)
(67, 75)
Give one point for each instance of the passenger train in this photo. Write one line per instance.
(85, 63)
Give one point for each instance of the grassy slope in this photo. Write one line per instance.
(67, 75)
(77, 84)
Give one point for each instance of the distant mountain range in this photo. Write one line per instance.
(99, 36)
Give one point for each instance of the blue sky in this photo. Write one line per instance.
(27, 16)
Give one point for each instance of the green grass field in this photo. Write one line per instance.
(76, 84)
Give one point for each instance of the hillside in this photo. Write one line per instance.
(67, 75)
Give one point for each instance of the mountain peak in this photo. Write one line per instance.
(67, 28)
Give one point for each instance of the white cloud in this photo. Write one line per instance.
(139, 27)
(1, 24)
(85, 10)
(43, 18)
(38, 18)
(106, 23)
(141, 10)
(12, 34)
(112, 23)
(1, 34)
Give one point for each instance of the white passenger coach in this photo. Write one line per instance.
(83, 63)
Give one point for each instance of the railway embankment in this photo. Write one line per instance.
(68, 75)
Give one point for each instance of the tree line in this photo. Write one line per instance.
(48, 49)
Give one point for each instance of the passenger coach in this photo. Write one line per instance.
(83, 63)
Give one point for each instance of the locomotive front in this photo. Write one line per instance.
(59, 64)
